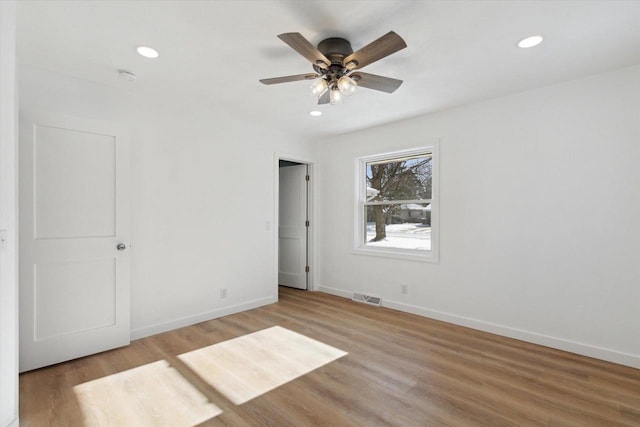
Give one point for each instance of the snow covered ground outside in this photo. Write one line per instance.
(404, 236)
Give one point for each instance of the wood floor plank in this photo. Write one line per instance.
(401, 370)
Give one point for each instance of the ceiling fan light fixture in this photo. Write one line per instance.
(333, 59)
(347, 85)
(335, 96)
(318, 86)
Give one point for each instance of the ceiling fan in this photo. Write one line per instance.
(336, 64)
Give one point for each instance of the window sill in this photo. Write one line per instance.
(422, 256)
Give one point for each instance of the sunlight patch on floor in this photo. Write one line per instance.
(246, 367)
(150, 395)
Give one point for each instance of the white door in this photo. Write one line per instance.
(292, 230)
(74, 213)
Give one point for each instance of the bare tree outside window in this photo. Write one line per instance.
(398, 202)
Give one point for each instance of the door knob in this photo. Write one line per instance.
(121, 247)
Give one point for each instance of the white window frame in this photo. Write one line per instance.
(360, 246)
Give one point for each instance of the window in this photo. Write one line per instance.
(397, 206)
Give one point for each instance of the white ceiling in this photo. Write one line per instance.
(212, 53)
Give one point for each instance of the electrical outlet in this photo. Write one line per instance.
(404, 289)
(223, 293)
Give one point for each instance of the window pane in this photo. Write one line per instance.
(400, 179)
(406, 226)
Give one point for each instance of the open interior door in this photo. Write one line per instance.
(293, 227)
(74, 239)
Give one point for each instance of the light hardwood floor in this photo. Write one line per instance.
(401, 370)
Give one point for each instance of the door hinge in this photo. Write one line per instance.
(306, 223)
(306, 269)
(307, 178)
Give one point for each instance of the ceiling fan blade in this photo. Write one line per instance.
(377, 49)
(325, 98)
(305, 48)
(373, 81)
(286, 79)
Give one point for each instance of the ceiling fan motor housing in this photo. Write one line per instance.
(335, 49)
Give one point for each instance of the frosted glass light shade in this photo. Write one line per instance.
(347, 85)
(335, 96)
(318, 86)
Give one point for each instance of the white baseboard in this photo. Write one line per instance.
(14, 423)
(596, 352)
(335, 291)
(197, 318)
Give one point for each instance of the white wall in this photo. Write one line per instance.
(8, 220)
(203, 188)
(540, 209)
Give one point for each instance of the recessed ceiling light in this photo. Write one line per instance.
(147, 52)
(531, 41)
(316, 113)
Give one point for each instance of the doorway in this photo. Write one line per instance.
(294, 224)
